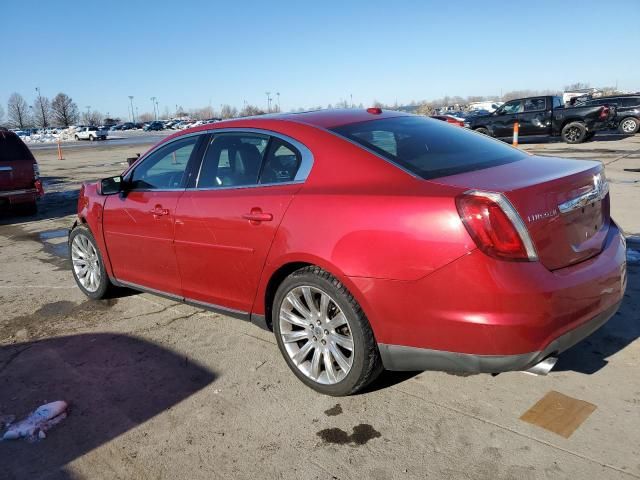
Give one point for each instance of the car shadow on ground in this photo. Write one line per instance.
(113, 383)
(592, 354)
(607, 136)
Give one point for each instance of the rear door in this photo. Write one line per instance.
(535, 118)
(16, 163)
(225, 224)
(505, 117)
(139, 225)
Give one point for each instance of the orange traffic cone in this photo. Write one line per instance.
(516, 130)
(60, 157)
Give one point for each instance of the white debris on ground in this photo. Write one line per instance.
(66, 135)
(36, 425)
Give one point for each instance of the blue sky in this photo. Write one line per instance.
(194, 54)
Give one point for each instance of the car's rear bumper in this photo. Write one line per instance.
(23, 195)
(483, 314)
(400, 357)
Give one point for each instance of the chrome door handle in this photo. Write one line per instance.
(256, 216)
(158, 211)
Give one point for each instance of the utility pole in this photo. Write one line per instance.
(88, 107)
(268, 102)
(351, 97)
(278, 95)
(133, 115)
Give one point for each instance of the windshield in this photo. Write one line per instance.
(429, 148)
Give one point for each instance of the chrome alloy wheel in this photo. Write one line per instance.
(628, 125)
(316, 335)
(86, 263)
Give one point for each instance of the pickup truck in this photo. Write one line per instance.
(91, 133)
(545, 115)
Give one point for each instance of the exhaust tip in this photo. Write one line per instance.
(543, 367)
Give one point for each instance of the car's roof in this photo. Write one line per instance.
(324, 118)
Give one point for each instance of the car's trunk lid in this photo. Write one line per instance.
(564, 203)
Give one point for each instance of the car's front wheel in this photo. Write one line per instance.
(629, 126)
(483, 131)
(87, 264)
(323, 333)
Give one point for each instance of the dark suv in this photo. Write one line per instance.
(627, 119)
(20, 184)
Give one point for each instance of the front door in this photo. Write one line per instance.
(505, 117)
(226, 224)
(139, 224)
(535, 118)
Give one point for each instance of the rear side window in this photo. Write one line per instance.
(12, 148)
(630, 102)
(281, 164)
(534, 104)
(429, 148)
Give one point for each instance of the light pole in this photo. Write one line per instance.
(278, 95)
(158, 108)
(88, 107)
(268, 101)
(133, 115)
(153, 101)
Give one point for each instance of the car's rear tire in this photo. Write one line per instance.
(87, 264)
(574, 132)
(323, 333)
(483, 131)
(629, 126)
(92, 138)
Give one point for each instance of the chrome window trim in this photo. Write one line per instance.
(6, 169)
(306, 158)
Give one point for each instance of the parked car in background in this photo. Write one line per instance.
(127, 126)
(91, 133)
(627, 118)
(545, 115)
(20, 184)
(154, 126)
(488, 106)
(356, 225)
(450, 119)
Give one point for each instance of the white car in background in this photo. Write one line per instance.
(91, 133)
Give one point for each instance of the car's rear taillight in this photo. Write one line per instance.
(604, 113)
(495, 226)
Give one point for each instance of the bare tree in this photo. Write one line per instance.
(576, 86)
(42, 111)
(250, 110)
(92, 118)
(64, 111)
(146, 117)
(1, 114)
(18, 112)
(227, 111)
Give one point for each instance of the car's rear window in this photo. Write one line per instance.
(429, 148)
(12, 148)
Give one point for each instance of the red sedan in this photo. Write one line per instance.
(365, 240)
(449, 119)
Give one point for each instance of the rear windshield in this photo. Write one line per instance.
(429, 148)
(12, 148)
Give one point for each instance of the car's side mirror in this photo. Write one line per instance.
(112, 185)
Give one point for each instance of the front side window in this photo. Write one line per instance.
(429, 148)
(534, 104)
(509, 108)
(557, 102)
(232, 159)
(165, 168)
(282, 163)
